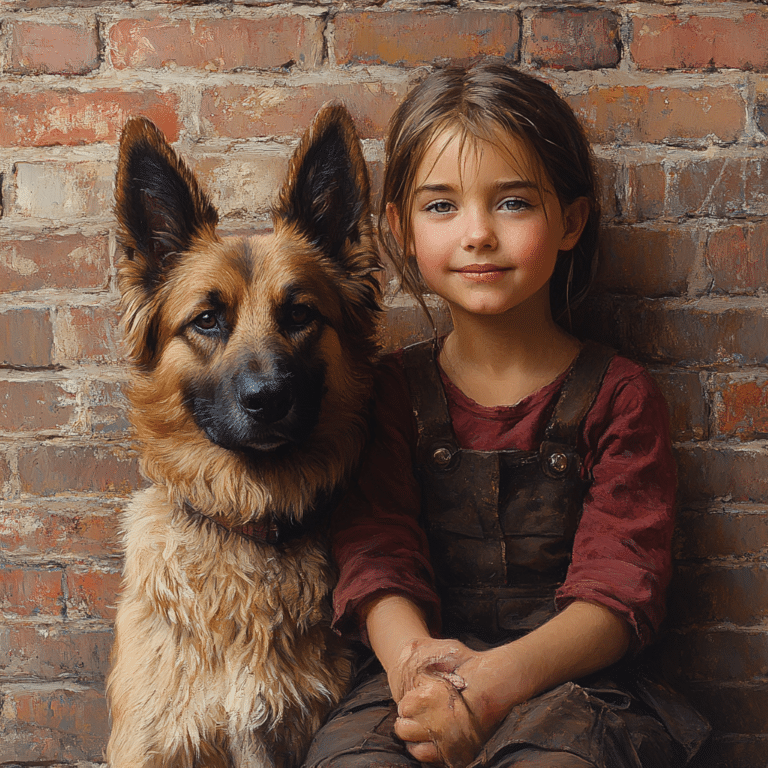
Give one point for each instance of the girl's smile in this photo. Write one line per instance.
(485, 236)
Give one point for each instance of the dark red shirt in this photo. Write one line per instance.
(621, 554)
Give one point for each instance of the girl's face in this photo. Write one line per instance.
(485, 237)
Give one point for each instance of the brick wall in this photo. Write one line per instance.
(675, 98)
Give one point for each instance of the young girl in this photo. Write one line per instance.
(506, 550)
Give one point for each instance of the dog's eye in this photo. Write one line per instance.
(300, 315)
(206, 321)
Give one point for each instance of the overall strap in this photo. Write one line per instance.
(578, 393)
(426, 388)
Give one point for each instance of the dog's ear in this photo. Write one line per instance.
(327, 193)
(159, 205)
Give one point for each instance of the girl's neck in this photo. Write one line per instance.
(500, 359)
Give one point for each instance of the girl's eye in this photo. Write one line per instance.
(206, 321)
(514, 204)
(440, 206)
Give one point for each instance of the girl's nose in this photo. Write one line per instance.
(479, 233)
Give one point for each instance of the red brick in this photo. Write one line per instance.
(61, 190)
(611, 175)
(647, 187)
(57, 49)
(54, 651)
(26, 338)
(44, 723)
(414, 38)
(736, 257)
(70, 117)
(637, 113)
(740, 406)
(31, 592)
(687, 401)
(35, 405)
(724, 532)
(46, 469)
(755, 189)
(241, 112)
(273, 42)
(737, 594)
(694, 41)
(732, 473)
(54, 261)
(706, 187)
(705, 331)
(92, 595)
(724, 655)
(5, 474)
(652, 261)
(571, 38)
(88, 334)
(52, 528)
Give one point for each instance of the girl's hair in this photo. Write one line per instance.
(491, 102)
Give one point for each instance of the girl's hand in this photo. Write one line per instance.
(436, 724)
(427, 656)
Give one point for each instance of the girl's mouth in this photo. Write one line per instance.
(484, 273)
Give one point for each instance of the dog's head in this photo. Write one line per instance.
(252, 355)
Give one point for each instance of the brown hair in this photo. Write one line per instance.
(488, 102)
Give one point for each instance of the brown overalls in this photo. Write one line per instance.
(501, 526)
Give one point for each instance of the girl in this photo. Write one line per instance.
(519, 487)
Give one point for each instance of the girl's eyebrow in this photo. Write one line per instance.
(501, 185)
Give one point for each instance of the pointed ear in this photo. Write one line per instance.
(327, 194)
(159, 205)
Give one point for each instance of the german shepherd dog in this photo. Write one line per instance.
(252, 369)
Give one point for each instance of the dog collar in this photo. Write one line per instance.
(270, 531)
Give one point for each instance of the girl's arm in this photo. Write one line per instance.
(583, 638)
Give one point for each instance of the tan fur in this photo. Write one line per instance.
(223, 653)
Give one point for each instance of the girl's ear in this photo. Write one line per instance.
(575, 218)
(393, 219)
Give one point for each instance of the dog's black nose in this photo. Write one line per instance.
(265, 398)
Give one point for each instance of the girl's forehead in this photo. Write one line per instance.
(453, 151)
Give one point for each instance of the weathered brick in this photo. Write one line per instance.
(755, 187)
(54, 651)
(26, 338)
(698, 41)
(88, 334)
(660, 115)
(731, 708)
(652, 261)
(56, 528)
(92, 594)
(47, 469)
(406, 323)
(646, 187)
(740, 405)
(272, 42)
(723, 655)
(29, 405)
(611, 174)
(414, 38)
(31, 591)
(704, 331)
(45, 118)
(107, 408)
(54, 261)
(736, 257)
(47, 722)
(241, 184)
(687, 401)
(715, 471)
(37, 48)
(241, 111)
(572, 38)
(736, 594)
(725, 532)
(62, 191)
(706, 187)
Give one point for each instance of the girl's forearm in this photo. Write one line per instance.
(581, 639)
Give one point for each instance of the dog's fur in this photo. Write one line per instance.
(253, 366)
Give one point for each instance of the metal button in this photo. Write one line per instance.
(442, 457)
(558, 462)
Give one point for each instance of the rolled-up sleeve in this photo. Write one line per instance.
(621, 554)
(378, 544)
